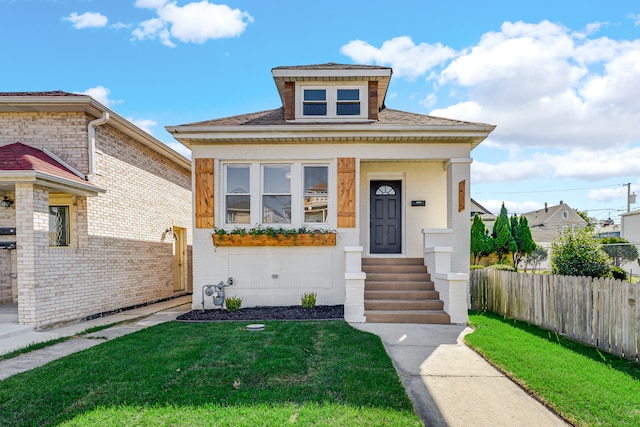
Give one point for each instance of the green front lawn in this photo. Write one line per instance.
(586, 386)
(293, 373)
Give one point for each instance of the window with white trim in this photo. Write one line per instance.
(341, 102)
(316, 194)
(238, 194)
(276, 194)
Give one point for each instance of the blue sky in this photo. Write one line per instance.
(560, 79)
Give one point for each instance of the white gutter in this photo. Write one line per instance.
(91, 143)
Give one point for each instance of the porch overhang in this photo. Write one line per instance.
(329, 133)
(52, 182)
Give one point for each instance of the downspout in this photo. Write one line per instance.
(91, 143)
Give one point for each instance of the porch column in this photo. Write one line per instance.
(458, 219)
(32, 228)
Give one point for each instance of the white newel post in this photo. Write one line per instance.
(354, 285)
(452, 287)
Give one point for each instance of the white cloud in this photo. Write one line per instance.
(176, 146)
(87, 20)
(144, 124)
(101, 94)
(194, 22)
(119, 25)
(635, 17)
(545, 87)
(586, 165)
(401, 53)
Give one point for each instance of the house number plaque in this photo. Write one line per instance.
(461, 189)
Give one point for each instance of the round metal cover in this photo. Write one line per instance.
(255, 327)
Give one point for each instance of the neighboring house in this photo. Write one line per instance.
(546, 223)
(487, 217)
(393, 185)
(95, 213)
(630, 230)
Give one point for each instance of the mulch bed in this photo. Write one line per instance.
(293, 312)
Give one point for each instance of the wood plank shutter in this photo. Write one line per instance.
(346, 192)
(204, 193)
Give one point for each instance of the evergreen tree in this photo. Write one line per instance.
(522, 236)
(503, 241)
(479, 239)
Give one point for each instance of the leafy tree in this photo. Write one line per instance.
(591, 221)
(577, 253)
(619, 250)
(522, 236)
(536, 257)
(480, 243)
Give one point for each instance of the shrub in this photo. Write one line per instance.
(502, 267)
(233, 303)
(475, 267)
(308, 299)
(577, 253)
(619, 274)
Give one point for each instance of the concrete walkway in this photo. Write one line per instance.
(449, 384)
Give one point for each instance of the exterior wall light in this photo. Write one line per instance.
(5, 202)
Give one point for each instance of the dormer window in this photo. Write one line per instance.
(335, 102)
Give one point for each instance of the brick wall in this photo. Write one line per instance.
(118, 256)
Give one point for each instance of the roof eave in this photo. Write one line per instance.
(51, 181)
(86, 104)
(473, 134)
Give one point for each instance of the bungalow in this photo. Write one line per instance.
(95, 213)
(390, 188)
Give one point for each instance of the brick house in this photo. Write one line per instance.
(393, 187)
(95, 213)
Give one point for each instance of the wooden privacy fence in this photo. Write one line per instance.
(603, 313)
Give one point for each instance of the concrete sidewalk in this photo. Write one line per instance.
(450, 384)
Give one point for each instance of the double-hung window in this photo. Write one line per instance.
(238, 194)
(292, 194)
(331, 102)
(316, 194)
(276, 194)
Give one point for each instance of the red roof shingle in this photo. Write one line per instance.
(19, 157)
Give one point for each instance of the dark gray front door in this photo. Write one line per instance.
(386, 228)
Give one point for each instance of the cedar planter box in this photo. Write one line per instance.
(319, 239)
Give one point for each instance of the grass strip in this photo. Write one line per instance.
(305, 373)
(583, 384)
(40, 345)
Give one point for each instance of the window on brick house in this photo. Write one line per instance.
(60, 220)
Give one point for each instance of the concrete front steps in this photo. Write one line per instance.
(399, 290)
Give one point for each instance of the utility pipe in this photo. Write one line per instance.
(91, 143)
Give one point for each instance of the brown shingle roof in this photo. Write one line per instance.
(276, 117)
(332, 66)
(49, 93)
